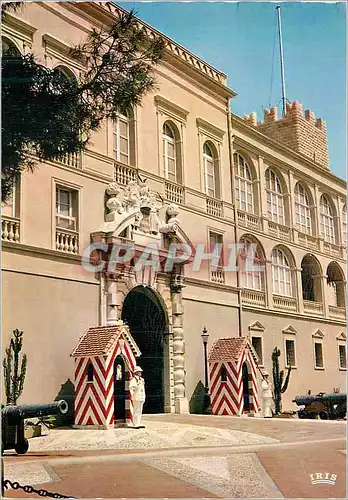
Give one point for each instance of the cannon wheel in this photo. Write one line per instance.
(22, 447)
(323, 415)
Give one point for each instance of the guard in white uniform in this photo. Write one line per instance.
(267, 397)
(137, 390)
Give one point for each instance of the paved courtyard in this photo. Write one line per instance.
(187, 456)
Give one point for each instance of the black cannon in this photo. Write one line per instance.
(326, 406)
(12, 423)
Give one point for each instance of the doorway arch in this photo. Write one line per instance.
(145, 314)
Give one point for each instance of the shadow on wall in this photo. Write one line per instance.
(67, 392)
(197, 399)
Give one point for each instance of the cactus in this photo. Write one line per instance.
(14, 378)
(279, 387)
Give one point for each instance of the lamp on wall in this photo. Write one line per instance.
(206, 400)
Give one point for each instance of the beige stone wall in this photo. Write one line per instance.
(53, 312)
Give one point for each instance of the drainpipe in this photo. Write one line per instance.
(230, 139)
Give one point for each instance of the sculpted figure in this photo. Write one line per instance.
(114, 204)
(172, 223)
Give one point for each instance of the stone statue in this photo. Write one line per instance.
(267, 397)
(114, 204)
(172, 222)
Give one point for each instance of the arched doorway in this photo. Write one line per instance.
(246, 393)
(147, 321)
(119, 389)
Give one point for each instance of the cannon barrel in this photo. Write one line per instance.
(14, 414)
(333, 398)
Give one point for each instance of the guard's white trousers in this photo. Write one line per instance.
(267, 407)
(138, 410)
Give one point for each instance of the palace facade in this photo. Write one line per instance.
(233, 179)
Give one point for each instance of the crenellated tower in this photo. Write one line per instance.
(303, 134)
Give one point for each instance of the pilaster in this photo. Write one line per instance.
(180, 400)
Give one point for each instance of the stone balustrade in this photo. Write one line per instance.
(247, 220)
(67, 241)
(310, 242)
(71, 160)
(214, 207)
(174, 193)
(331, 249)
(217, 276)
(124, 174)
(311, 307)
(337, 312)
(284, 303)
(253, 298)
(279, 231)
(10, 229)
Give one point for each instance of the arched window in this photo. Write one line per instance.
(327, 230)
(211, 172)
(335, 292)
(243, 183)
(169, 153)
(90, 372)
(9, 48)
(344, 225)
(302, 209)
(281, 274)
(311, 279)
(223, 373)
(121, 138)
(275, 200)
(250, 278)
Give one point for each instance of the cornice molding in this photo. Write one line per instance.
(210, 130)
(60, 50)
(14, 26)
(318, 334)
(170, 108)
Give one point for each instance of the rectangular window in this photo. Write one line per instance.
(343, 357)
(257, 345)
(216, 245)
(290, 352)
(66, 208)
(318, 353)
(121, 139)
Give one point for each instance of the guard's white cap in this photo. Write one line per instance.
(137, 369)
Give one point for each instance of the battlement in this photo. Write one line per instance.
(305, 134)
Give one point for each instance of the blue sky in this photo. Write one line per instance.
(238, 39)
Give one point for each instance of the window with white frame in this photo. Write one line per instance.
(243, 184)
(342, 352)
(216, 246)
(275, 199)
(302, 210)
(66, 208)
(250, 278)
(344, 224)
(318, 355)
(281, 274)
(169, 153)
(257, 345)
(290, 353)
(209, 171)
(327, 230)
(121, 138)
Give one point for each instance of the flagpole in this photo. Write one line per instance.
(281, 59)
